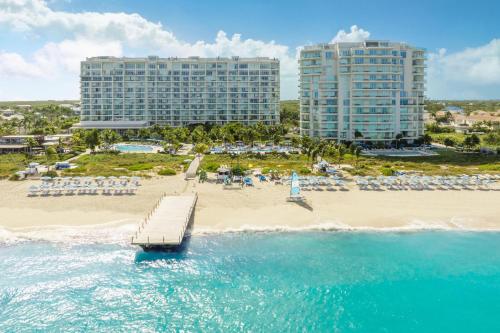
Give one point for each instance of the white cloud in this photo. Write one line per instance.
(471, 73)
(91, 33)
(12, 64)
(355, 35)
(66, 55)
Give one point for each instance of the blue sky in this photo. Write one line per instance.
(42, 42)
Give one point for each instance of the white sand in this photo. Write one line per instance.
(259, 208)
(17, 210)
(265, 207)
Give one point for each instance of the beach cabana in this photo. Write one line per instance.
(222, 174)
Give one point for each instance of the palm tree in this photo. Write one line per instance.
(144, 133)
(199, 135)
(92, 139)
(399, 136)
(78, 138)
(129, 134)
(50, 152)
(200, 148)
(31, 143)
(110, 137)
(357, 152)
(341, 150)
(227, 136)
(250, 136)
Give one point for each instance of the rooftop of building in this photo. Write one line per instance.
(381, 44)
(188, 59)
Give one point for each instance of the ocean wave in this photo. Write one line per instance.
(454, 224)
(120, 231)
(116, 232)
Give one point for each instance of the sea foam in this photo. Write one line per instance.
(121, 231)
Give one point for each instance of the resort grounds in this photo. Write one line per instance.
(261, 207)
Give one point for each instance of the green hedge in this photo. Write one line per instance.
(167, 172)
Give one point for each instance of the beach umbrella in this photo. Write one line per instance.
(124, 177)
(100, 178)
(112, 177)
(45, 178)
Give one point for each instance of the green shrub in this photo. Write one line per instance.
(387, 171)
(50, 173)
(304, 171)
(14, 177)
(265, 171)
(140, 167)
(212, 166)
(238, 170)
(167, 172)
(80, 169)
(449, 142)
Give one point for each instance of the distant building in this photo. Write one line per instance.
(18, 143)
(463, 123)
(364, 91)
(140, 92)
(453, 108)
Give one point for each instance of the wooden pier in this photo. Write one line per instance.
(165, 225)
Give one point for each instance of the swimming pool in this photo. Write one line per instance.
(134, 148)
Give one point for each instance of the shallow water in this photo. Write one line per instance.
(428, 281)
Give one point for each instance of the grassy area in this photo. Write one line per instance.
(440, 137)
(447, 162)
(109, 164)
(10, 163)
(283, 163)
(289, 113)
(458, 138)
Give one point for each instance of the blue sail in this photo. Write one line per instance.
(295, 185)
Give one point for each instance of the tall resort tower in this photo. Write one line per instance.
(364, 91)
(123, 93)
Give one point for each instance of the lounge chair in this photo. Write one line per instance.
(33, 190)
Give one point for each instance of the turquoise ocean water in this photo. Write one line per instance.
(427, 281)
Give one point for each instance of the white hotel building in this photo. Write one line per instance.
(139, 92)
(364, 91)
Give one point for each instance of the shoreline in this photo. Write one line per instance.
(262, 208)
(106, 233)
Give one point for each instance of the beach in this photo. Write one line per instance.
(262, 207)
(19, 211)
